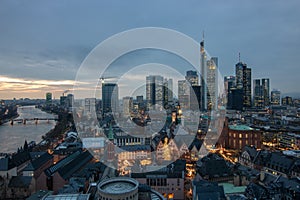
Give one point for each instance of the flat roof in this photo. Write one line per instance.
(118, 185)
(240, 127)
(231, 189)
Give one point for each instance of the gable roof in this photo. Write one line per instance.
(69, 169)
(38, 162)
(20, 181)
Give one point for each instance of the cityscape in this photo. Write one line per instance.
(179, 130)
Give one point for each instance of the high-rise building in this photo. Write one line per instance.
(48, 98)
(167, 91)
(235, 99)
(247, 79)
(265, 82)
(89, 106)
(261, 89)
(184, 94)
(203, 69)
(192, 77)
(127, 106)
(110, 97)
(275, 97)
(212, 83)
(287, 101)
(239, 68)
(243, 82)
(195, 97)
(258, 94)
(229, 83)
(170, 93)
(154, 91)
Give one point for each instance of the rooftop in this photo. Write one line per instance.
(118, 185)
(230, 188)
(240, 128)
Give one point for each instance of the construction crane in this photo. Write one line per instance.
(102, 78)
(65, 92)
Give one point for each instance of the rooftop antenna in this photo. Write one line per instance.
(239, 57)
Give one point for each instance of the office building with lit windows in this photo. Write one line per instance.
(110, 97)
(212, 83)
(275, 97)
(241, 135)
(154, 90)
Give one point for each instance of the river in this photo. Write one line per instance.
(14, 136)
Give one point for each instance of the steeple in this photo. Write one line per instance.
(110, 133)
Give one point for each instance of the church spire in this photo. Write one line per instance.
(110, 133)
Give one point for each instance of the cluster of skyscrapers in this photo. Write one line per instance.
(239, 90)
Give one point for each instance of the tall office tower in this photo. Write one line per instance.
(89, 106)
(195, 97)
(266, 91)
(239, 68)
(170, 93)
(287, 101)
(275, 97)
(243, 81)
(247, 87)
(70, 101)
(229, 83)
(212, 83)
(203, 76)
(167, 91)
(110, 97)
(48, 98)
(127, 106)
(235, 99)
(192, 77)
(258, 100)
(154, 91)
(184, 94)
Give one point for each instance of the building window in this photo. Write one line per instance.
(240, 135)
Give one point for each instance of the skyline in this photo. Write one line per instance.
(43, 44)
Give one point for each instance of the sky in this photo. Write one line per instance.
(43, 43)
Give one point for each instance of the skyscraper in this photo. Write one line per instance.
(184, 94)
(192, 77)
(195, 97)
(167, 91)
(266, 91)
(48, 98)
(127, 106)
(247, 79)
(154, 91)
(89, 106)
(212, 83)
(203, 76)
(275, 97)
(110, 97)
(243, 81)
(229, 83)
(239, 68)
(258, 94)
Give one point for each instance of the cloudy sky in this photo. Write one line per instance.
(43, 43)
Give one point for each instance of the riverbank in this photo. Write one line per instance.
(13, 137)
(8, 113)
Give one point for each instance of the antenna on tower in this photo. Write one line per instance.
(203, 35)
(239, 57)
